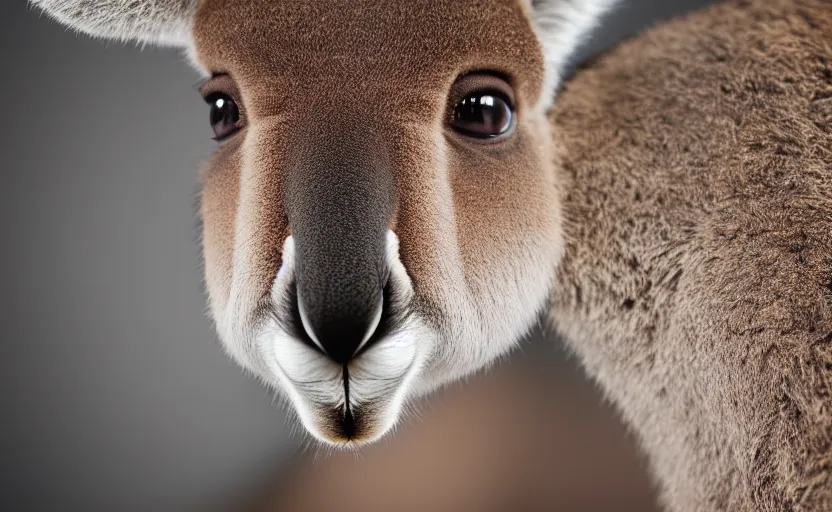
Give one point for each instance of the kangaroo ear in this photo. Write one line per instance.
(158, 22)
(562, 25)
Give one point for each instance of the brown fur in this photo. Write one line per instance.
(697, 282)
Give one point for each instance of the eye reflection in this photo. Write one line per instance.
(225, 115)
(483, 114)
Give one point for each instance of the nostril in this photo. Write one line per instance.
(374, 321)
(307, 325)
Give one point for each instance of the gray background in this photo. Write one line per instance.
(116, 394)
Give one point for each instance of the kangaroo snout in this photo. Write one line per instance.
(349, 383)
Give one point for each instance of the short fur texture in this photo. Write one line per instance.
(561, 25)
(697, 280)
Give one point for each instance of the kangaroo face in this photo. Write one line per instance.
(381, 216)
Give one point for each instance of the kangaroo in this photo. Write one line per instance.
(395, 199)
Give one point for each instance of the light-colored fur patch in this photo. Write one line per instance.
(562, 26)
(157, 22)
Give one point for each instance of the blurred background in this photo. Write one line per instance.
(115, 393)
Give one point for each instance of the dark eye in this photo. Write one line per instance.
(225, 115)
(483, 114)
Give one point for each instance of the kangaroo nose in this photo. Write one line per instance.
(341, 333)
(339, 197)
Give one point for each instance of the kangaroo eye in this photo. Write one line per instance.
(483, 114)
(225, 115)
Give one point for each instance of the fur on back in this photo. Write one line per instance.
(697, 281)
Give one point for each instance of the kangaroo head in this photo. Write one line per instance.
(382, 214)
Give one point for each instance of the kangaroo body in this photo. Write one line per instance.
(397, 196)
(696, 285)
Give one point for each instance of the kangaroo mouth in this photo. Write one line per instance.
(347, 422)
(350, 404)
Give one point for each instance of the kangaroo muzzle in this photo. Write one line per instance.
(340, 197)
